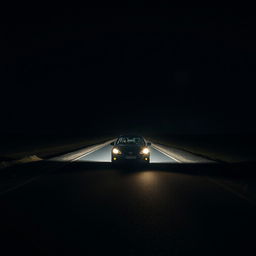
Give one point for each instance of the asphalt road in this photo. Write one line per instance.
(93, 208)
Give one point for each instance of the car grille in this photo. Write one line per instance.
(131, 153)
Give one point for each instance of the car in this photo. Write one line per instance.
(130, 148)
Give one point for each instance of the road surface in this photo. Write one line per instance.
(93, 208)
(104, 155)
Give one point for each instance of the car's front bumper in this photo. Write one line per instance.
(129, 158)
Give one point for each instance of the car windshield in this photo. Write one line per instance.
(130, 140)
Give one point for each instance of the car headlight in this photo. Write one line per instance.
(145, 151)
(116, 151)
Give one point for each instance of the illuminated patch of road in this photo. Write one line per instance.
(104, 155)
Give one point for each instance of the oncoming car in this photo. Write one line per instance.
(130, 148)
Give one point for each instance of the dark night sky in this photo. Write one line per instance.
(169, 69)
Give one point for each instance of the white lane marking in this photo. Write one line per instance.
(69, 157)
(173, 158)
(88, 153)
(19, 185)
(231, 190)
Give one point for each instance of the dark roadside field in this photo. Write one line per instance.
(228, 148)
(17, 145)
